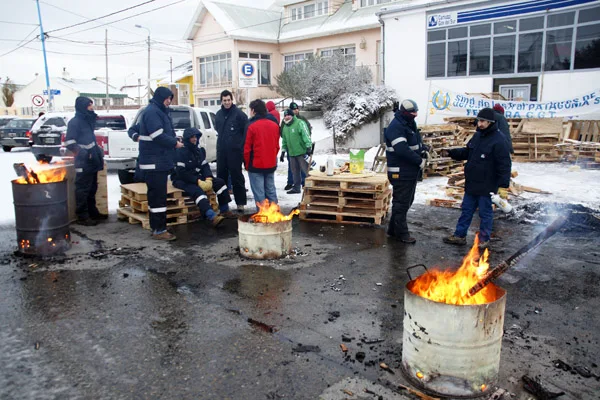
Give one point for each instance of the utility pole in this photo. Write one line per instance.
(106, 57)
(171, 63)
(149, 90)
(43, 37)
(139, 94)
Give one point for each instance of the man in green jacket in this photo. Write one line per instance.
(296, 142)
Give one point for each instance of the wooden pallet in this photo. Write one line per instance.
(379, 202)
(341, 218)
(363, 183)
(142, 205)
(127, 213)
(444, 203)
(139, 191)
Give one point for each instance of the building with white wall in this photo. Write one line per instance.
(535, 50)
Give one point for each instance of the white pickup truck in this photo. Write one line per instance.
(123, 152)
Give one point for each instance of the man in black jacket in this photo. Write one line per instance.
(487, 171)
(406, 159)
(502, 124)
(193, 175)
(231, 125)
(89, 159)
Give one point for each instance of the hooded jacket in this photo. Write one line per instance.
(404, 148)
(295, 137)
(231, 126)
(262, 144)
(488, 162)
(191, 163)
(81, 139)
(273, 111)
(156, 137)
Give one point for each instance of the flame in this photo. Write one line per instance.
(46, 173)
(452, 287)
(269, 213)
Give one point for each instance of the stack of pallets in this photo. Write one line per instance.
(536, 140)
(438, 137)
(133, 206)
(346, 198)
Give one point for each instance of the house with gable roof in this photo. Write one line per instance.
(223, 34)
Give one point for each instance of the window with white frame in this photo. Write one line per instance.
(215, 70)
(367, 3)
(567, 40)
(310, 10)
(290, 60)
(348, 51)
(183, 94)
(264, 66)
(211, 102)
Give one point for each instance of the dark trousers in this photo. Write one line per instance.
(402, 198)
(86, 185)
(299, 168)
(201, 199)
(156, 181)
(290, 179)
(486, 215)
(230, 164)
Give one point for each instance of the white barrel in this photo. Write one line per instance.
(264, 241)
(452, 350)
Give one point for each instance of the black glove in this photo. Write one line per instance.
(309, 151)
(282, 156)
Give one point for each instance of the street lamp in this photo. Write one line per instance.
(143, 27)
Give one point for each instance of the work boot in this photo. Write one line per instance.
(99, 217)
(86, 222)
(229, 215)
(484, 245)
(288, 186)
(408, 239)
(240, 209)
(457, 240)
(167, 236)
(293, 191)
(216, 221)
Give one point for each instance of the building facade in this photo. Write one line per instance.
(223, 34)
(543, 50)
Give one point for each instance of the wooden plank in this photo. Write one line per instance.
(443, 203)
(340, 219)
(139, 191)
(144, 219)
(543, 125)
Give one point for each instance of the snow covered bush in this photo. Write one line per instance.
(358, 108)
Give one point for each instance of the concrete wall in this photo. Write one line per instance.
(364, 138)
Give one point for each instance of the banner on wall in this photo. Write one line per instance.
(445, 102)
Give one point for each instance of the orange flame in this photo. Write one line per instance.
(269, 213)
(452, 287)
(46, 173)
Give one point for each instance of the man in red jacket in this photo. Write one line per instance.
(260, 152)
(273, 111)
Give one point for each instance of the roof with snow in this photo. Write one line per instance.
(179, 72)
(90, 87)
(248, 23)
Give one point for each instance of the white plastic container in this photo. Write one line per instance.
(502, 203)
(330, 165)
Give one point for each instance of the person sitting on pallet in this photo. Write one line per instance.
(193, 176)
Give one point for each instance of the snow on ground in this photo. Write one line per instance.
(567, 184)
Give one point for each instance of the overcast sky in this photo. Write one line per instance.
(19, 19)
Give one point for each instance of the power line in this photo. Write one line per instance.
(86, 54)
(123, 19)
(104, 16)
(17, 48)
(17, 23)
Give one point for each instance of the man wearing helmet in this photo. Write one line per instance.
(406, 159)
(487, 171)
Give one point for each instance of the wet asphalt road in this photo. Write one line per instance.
(123, 317)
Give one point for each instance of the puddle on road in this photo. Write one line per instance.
(262, 283)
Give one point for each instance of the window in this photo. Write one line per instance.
(181, 119)
(205, 120)
(310, 10)
(215, 70)
(348, 52)
(116, 123)
(20, 123)
(367, 3)
(183, 94)
(553, 42)
(291, 59)
(213, 118)
(264, 66)
(211, 102)
(57, 122)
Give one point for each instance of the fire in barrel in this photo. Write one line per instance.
(451, 340)
(41, 210)
(266, 234)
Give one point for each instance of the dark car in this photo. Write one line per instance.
(16, 133)
(5, 119)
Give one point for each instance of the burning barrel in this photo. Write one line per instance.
(452, 341)
(41, 212)
(266, 234)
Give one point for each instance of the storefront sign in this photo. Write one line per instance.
(445, 102)
(441, 20)
(248, 74)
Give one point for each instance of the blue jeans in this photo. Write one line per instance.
(263, 186)
(486, 215)
(290, 180)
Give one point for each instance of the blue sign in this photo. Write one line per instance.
(55, 92)
(248, 70)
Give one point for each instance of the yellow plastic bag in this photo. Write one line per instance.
(357, 161)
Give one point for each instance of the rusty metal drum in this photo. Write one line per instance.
(452, 350)
(264, 240)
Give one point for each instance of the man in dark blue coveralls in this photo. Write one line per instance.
(406, 159)
(89, 159)
(156, 158)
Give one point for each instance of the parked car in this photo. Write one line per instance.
(17, 133)
(123, 152)
(48, 135)
(5, 119)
